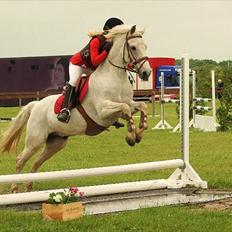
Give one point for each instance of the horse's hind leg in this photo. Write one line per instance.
(53, 145)
(34, 140)
(22, 158)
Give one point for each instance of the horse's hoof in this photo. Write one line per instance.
(138, 139)
(130, 141)
(138, 135)
(14, 189)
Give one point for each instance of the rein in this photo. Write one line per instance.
(133, 60)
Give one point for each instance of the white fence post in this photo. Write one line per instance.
(213, 96)
(162, 124)
(194, 96)
(185, 109)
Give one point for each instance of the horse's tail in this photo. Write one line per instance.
(11, 137)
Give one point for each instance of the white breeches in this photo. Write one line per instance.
(75, 72)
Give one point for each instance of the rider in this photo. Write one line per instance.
(85, 62)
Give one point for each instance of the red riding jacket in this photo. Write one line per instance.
(92, 54)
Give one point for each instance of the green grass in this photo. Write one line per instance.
(163, 219)
(210, 155)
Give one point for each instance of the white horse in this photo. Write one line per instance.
(110, 96)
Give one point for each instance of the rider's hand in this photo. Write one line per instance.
(108, 46)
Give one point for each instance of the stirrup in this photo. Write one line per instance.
(64, 115)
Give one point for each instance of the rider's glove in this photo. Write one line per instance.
(108, 46)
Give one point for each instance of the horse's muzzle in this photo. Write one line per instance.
(145, 75)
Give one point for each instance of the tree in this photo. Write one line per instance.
(224, 112)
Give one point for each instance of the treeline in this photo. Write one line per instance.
(223, 71)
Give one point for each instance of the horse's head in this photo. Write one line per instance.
(133, 50)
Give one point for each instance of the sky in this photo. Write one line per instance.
(201, 28)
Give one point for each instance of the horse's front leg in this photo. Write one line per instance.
(142, 107)
(111, 108)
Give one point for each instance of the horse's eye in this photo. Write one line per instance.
(133, 48)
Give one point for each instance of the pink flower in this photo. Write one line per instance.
(73, 190)
(81, 194)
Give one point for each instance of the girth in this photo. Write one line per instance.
(92, 127)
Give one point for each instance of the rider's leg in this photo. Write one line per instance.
(69, 94)
(75, 72)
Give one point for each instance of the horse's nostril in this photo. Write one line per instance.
(146, 74)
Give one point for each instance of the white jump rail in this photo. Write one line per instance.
(171, 100)
(97, 190)
(184, 175)
(67, 174)
(201, 99)
(206, 108)
(4, 119)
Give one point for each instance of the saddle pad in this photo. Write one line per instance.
(82, 89)
(58, 104)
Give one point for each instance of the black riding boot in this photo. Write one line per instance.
(64, 114)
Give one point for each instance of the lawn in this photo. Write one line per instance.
(210, 155)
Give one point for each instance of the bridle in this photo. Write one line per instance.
(133, 61)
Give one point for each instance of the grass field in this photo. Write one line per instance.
(210, 155)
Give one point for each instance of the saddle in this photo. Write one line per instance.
(81, 91)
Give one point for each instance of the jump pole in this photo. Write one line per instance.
(183, 176)
(100, 171)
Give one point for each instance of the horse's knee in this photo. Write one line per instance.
(144, 106)
(19, 164)
(126, 109)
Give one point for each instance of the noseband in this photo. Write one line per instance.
(133, 61)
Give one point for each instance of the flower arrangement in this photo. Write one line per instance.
(67, 196)
(63, 205)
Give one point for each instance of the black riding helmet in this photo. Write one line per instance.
(112, 22)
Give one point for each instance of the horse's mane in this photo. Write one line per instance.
(118, 30)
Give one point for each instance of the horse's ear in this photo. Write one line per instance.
(142, 31)
(133, 29)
